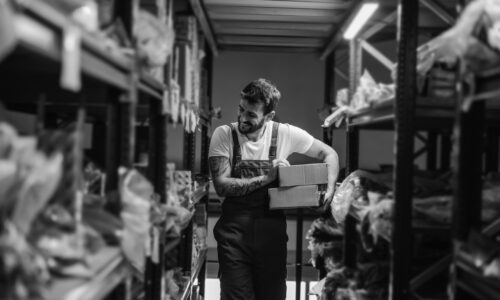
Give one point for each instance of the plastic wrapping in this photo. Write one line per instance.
(459, 41)
(354, 190)
(325, 243)
(23, 273)
(155, 42)
(135, 193)
(380, 218)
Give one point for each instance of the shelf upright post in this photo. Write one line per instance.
(445, 151)
(467, 170)
(207, 80)
(401, 241)
(329, 93)
(491, 150)
(125, 112)
(432, 150)
(352, 152)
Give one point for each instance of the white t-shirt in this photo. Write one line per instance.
(291, 139)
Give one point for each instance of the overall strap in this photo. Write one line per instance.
(274, 142)
(236, 146)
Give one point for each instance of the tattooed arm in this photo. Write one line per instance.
(225, 185)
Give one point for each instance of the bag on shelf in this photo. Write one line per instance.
(135, 194)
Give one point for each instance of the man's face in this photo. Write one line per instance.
(250, 117)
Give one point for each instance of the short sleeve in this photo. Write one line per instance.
(221, 142)
(299, 140)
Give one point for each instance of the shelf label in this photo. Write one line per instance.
(71, 59)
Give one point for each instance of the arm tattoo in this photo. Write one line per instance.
(219, 165)
(225, 185)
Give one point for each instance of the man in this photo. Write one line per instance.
(244, 159)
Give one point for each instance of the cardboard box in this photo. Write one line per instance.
(296, 196)
(308, 174)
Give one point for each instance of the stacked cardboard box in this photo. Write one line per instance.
(299, 186)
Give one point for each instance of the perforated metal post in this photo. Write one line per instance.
(352, 152)
(492, 150)
(432, 150)
(205, 143)
(401, 244)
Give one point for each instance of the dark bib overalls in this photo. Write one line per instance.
(251, 239)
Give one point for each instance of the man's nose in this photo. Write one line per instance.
(243, 118)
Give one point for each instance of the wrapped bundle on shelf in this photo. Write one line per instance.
(461, 40)
(155, 42)
(23, 272)
(28, 179)
(368, 93)
(135, 193)
(175, 284)
(439, 208)
(354, 191)
(325, 243)
(483, 253)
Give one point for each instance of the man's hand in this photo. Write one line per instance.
(273, 173)
(329, 195)
(326, 153)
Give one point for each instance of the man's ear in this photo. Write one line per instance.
(270, 115)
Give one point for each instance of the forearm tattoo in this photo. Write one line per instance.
(225, 185)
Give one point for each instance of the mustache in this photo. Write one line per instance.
(246, 123)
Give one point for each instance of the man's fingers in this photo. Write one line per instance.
(281, 163)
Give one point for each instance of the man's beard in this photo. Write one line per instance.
(249, 128)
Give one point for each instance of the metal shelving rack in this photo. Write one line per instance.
(405, 114)
(114, 95)
(477, 92)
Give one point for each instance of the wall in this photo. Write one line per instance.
(299, 77)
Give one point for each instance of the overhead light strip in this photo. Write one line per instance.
(364, 13)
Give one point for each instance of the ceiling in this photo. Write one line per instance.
(302, 25)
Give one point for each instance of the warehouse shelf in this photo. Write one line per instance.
(171, 244)
(487, 84)
(417, 224)
(471, 280)
(39, 29)
(110, 269)
(194, 275)
(151, 87)
(430, 113)
(199, 194)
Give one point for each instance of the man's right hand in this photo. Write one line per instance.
(273, 173)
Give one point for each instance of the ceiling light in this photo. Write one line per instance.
(364, 13)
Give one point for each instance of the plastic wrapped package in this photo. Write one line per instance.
(342, 98)
(8, 179)
(55, 234)
(109, 226)
(380, 218)
(354, 190)
(325, 243)
(459, 41)
(438, 208)
(7, 136)
(155, 42)
(43, 175)
(337, 116)
(135, 193)
(23, 273)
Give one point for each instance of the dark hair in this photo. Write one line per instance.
(262, 90)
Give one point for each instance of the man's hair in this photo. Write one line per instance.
(262, 90)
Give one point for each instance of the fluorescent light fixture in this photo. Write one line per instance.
(364, 13)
